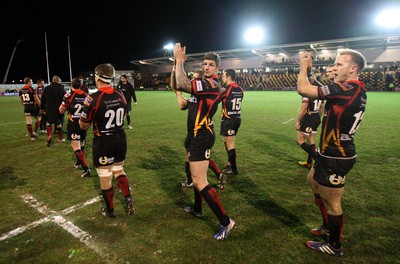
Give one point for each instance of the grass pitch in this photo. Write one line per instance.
(269, 199)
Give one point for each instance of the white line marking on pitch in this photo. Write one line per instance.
(290, 120)
(53, 216)
(12, 123)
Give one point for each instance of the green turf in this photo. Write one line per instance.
(269, 199)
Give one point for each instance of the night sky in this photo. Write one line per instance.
(120, 32)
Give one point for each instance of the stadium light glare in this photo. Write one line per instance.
(389, 18)
(169, 46)
(254, 35)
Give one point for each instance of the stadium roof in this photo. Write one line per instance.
(373, 42)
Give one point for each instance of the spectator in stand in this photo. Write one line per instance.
(73, 104)
(389, 79)
(203, 103)
(129, 92)
(30, 101)
(52, 98)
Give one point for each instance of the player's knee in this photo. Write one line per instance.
(118, 170)
(104, 173)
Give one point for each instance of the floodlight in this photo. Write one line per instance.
(389, 18)
(254, 35)
(169, 46)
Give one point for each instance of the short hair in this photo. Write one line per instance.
(27, 80)
(124, 76)
(199, 72)
(105, 72)
(230, 73)
(56, 79)
(330, 65)
(356, 57)
(212, 56)
(39, 81)
(76, 83)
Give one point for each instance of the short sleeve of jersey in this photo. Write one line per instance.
(88, 106)
(305, 100)
(66, 100)
(206, 86)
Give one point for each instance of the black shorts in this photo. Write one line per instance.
(54, 120)
(309, 124)
(74, 132)
(331, 172)
(31, 111)
(230, 127)
(199, 147)
(109, 149)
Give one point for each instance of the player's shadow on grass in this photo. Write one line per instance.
(167, 164)
(8, 180)
(275, 145)
(261, 201)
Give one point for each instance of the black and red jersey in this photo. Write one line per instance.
(27, 94)
(344, 110)
(74, 104)
(106, 109)
(313, 106)
(39, 91)
(231, 98)
(203, 103)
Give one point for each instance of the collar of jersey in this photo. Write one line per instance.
(106, 89)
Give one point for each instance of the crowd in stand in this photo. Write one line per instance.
(381, 79)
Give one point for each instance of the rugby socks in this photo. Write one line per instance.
(37, 122)
(123, 185)
(211, 198)
(335, 230)
(188, 173)
(49, 131)
(307, 148)
(198, 201)
(108, 196)
(59, 133)
(81, 158)
(128, 119)
(30, 131)
(214, 167)
(310, 158)
(232, 159)
(322, 208)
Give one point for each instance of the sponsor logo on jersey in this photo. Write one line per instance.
(75, 136)
(231, 132)
(325, 90)
(336, 179)
(199, 86)
(88, 100)
(105, 160)
(193, 99)
(207, 154)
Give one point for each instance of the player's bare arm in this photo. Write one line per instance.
(304, 87)
(182, 81)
